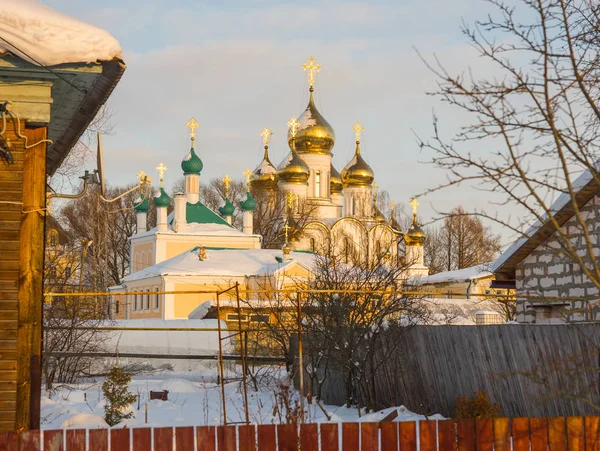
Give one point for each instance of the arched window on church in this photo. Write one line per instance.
(353, 207)
(347, 250)
(318, 184)
(156, 298)
(312, 244)
(147, 307)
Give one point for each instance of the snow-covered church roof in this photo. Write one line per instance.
(42, 35)
(458, 275)
(224, 263)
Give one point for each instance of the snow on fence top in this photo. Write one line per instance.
(40, 34)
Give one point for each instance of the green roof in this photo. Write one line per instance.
(201, 214)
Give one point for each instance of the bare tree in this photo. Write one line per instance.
(345, 316)
(108, 225)
(539, 112)
(272, 212)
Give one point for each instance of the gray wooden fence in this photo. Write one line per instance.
(529, 370)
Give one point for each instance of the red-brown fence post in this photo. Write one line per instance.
(389, 436)
(184, 438)
(205, 438)
(466, 435)
(369, 436)
(539, 434)
(484, 434)
(520, 434)
(557, 434)
(501, 434)
(330, 440)
(266, 437)
(592, 433)
(408, 435)
(309, 437)
(575, 434)
(350, 436)
(428, 435)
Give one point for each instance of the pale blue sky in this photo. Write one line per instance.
(235, 67)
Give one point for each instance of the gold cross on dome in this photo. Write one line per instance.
(248, 173)
(286, 229)
(161, 169)
(226, 182)
(293, 124)
(290, 198)
(311, 68)
(192, 124)
(358, 129)
(414, 204)
(266, 135)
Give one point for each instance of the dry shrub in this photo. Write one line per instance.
(478, 406)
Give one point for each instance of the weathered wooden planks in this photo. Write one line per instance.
(506, 362)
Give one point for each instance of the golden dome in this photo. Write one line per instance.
(264, 177)
(415, 236)
(379, 216)
(335, 181)
(357, 172)
(314, 135)
(293, 169)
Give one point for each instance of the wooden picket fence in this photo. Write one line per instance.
(499, 434)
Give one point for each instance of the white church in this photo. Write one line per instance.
(195, 248)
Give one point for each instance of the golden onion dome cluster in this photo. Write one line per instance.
(293, 169)
(264, 177)
(335, 181)
(357, 172)
(314, 135)
(415, 236)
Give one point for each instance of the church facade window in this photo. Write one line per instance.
(147, 299)
(156, 298)
(318, 184)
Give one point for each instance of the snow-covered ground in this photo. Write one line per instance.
(192, 402)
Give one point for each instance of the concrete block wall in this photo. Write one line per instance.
(548, 272)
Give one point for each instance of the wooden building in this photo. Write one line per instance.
(45, 109)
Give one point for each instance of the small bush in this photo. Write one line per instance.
(118, 399)
(478, 406)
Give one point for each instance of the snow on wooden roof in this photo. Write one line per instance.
(42, 35)
(584, 188)
(459, 275)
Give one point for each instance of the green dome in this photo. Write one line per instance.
(249, 204)
(192, 164)
(141, 205)
(163, 200)
(227, 209)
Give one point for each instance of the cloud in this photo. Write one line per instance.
(236, 68)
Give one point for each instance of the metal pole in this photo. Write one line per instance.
(221, 362)
(300, 356)
(241, 338)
